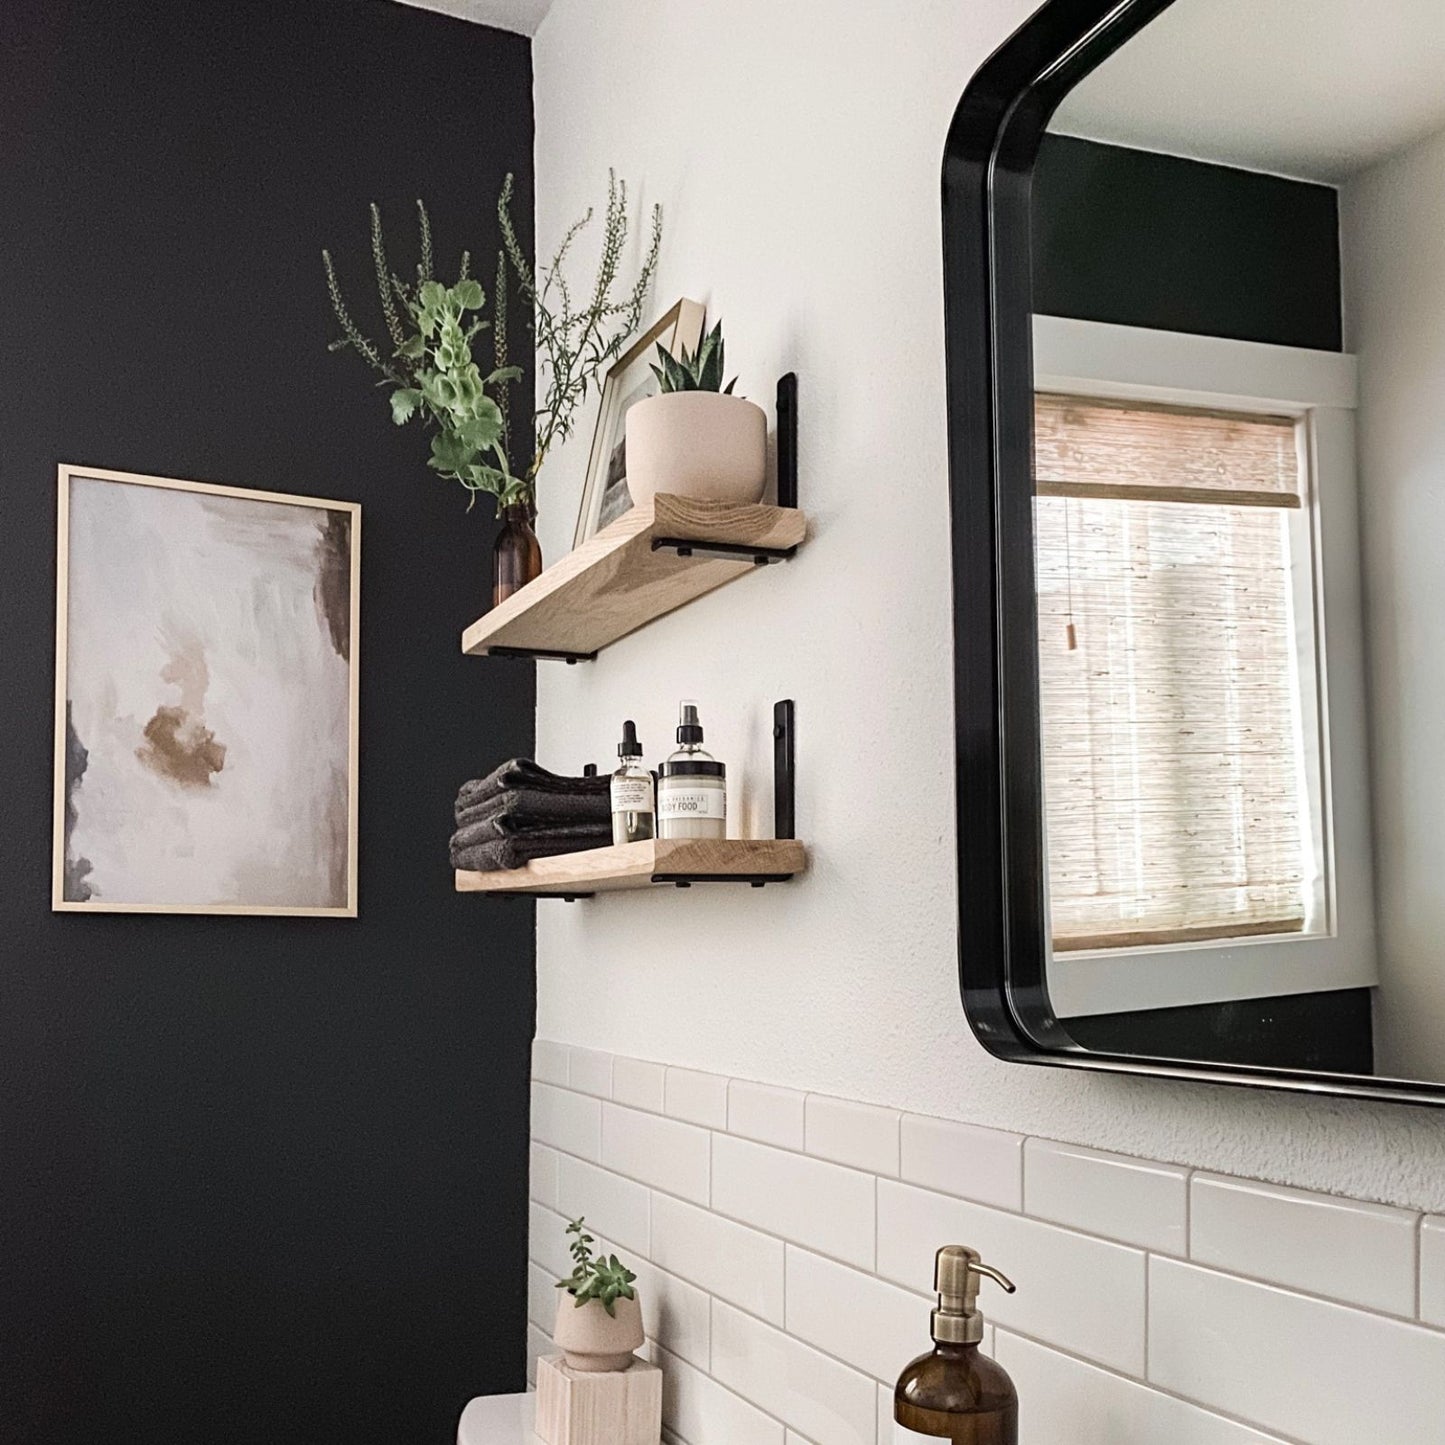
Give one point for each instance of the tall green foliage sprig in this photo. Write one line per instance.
(574, 344)
(428, 356)
(430, 366)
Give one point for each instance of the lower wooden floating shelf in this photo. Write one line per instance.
(680, 861)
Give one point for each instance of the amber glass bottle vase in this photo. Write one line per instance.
(516, 554)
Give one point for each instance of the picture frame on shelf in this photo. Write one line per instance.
(604, 493)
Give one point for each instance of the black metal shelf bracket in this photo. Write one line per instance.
(725, 551)
(546, 654)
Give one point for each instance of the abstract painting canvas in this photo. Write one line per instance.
(205, 698)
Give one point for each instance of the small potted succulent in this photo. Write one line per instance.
(599, 1319)
(695, 438)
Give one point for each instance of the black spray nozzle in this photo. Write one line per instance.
(629, 747)
(689, 729)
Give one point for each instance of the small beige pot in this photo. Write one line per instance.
(593, 1340)
(699, 444)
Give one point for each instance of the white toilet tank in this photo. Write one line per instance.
(498, 1420)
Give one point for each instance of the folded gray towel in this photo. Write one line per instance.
(513, 852)
(521, 808)
(523, 773)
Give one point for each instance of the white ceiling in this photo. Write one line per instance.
(1315, 89)
(521, 16)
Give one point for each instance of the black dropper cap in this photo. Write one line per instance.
(689, 729)
(629, 747)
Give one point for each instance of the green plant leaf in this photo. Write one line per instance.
(413, 348)
(404, 402)
(505, 373)
(468, 295)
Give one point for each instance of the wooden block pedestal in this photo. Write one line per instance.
(620, 1407)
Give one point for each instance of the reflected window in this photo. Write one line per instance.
(1180, 732)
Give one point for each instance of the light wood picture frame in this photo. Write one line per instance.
(207, 688)
(604, 494)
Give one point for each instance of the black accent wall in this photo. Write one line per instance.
(261, 1180)
(1143, 239)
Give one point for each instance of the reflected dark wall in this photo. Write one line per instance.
(1151, 240)
(262, 1181)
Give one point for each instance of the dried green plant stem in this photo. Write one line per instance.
(574, 345)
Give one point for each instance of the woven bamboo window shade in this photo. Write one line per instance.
(1168, 670)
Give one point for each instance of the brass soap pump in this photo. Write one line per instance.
(953, 1392)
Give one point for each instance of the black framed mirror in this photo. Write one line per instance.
(1194, 265)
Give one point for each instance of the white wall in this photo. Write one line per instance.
(1393, 236)
(796, 148)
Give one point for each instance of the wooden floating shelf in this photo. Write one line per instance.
(656, 558)
(641, 865)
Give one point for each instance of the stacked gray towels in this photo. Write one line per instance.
(520, 811)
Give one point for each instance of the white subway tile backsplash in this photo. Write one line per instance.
(542, 1295)
(862, 1135)
(590, 1072)
(664, 1153)
(873, 1326)
(567, 1121)
(542, 1175)
(767, 1113)
(697, 1097)
(549, 1062)
(830, 1403)
(538, 1344)
(1085, 1295)
(1130, 1200)
(783, 1244)
(547, 1242)
(674, 1313)
(638, 1084)
(1308, 1368)
(1364, 1254)
(1065, 1400)
(802, 1199)
(704, 1412)
(1432, 1270)
(974, 1163)
(612, 1206)
(728, 1260)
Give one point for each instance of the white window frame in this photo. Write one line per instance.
(1320, 388)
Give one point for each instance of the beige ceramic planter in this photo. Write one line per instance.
(593, 1340)
(698, 444)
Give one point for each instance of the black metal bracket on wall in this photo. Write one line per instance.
(787, 492)
(541, 652)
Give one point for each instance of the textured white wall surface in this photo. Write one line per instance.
(1393, 222)
(796, 150)
(783, 1244)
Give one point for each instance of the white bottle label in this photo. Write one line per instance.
(692, 803)
(632, 795)
(902, 1435)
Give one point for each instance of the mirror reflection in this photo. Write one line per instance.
(1239, 340)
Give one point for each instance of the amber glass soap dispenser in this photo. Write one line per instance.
(953, 1392)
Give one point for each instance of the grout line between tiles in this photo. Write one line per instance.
(1420, 1270)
